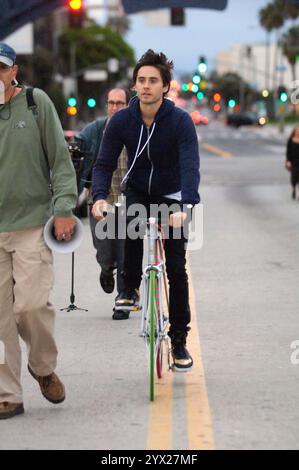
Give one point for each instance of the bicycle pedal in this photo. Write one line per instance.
(136, 308)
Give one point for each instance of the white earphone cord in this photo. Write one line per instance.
(137, 154)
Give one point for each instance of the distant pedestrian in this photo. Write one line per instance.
(36, 172)
(292, 160)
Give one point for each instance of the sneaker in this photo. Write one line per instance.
(51, 386)
(127, 299)
(120, 314)
(107, 282)
(182, 361)
(294, 193)
(8, 410)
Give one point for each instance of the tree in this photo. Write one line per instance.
(93, 45)
(272, 17)
(290, 47)
(229, 85)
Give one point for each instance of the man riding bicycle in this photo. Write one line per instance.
(163, 168)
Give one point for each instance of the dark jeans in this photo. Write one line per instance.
(110, 254)
(175, 254)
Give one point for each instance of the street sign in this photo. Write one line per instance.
(134, 6)
(95, 75)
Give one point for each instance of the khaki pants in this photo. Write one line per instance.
(26, 278)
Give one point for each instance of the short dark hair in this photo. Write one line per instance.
(159, 61)
(125, 90)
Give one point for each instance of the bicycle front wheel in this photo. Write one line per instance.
(152, 332)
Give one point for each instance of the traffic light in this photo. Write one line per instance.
(177, 16)
(72, 101)
(72, 110)
(282, 94)
(72, 106)
(76, 13)
(196, 79)
(217, 97)
(202, 65)
(91, 103)
(231, 103)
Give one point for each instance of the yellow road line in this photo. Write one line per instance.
(216, 150)
(160, 414)
(199, 424)
(200, 435)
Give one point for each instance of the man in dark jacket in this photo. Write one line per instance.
(163, 167)
(109, 252)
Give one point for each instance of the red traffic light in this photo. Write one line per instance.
(76, 13)
(75, 5)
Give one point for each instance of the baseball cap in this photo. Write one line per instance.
(7, 54)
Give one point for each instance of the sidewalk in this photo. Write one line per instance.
(270, 131)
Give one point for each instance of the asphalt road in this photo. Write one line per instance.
(243, 390)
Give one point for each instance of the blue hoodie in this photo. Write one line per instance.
(165, 164)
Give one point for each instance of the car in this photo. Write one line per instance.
(247, 118)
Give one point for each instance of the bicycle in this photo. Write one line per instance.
(154, 295)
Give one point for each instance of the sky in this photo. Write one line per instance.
(205, 33)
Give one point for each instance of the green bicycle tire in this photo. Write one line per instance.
(152, 301)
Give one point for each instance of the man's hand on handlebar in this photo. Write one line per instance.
(100, 209)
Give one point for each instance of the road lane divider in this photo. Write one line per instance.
(197, 411)
(216, 150)
(199, 422)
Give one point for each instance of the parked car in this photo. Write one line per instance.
(247, 118)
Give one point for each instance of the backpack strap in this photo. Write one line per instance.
(31, 104)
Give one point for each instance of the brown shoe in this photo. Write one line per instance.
(8, 410)
(51, 386)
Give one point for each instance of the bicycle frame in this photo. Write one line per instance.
(154, 321)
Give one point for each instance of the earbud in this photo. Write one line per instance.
(14, 82)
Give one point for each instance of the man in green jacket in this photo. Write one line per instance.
(37, 178)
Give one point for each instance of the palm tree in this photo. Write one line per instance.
(271, 18)
(290, 47)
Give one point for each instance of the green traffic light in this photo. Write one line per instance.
(200, 95)
(72, 101)
(283, 97)
(91, 102)
(231, 103)
(185, 87)
(196, 79)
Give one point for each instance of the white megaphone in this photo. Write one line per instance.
(63, 246)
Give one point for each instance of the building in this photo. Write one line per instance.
(259, 65)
